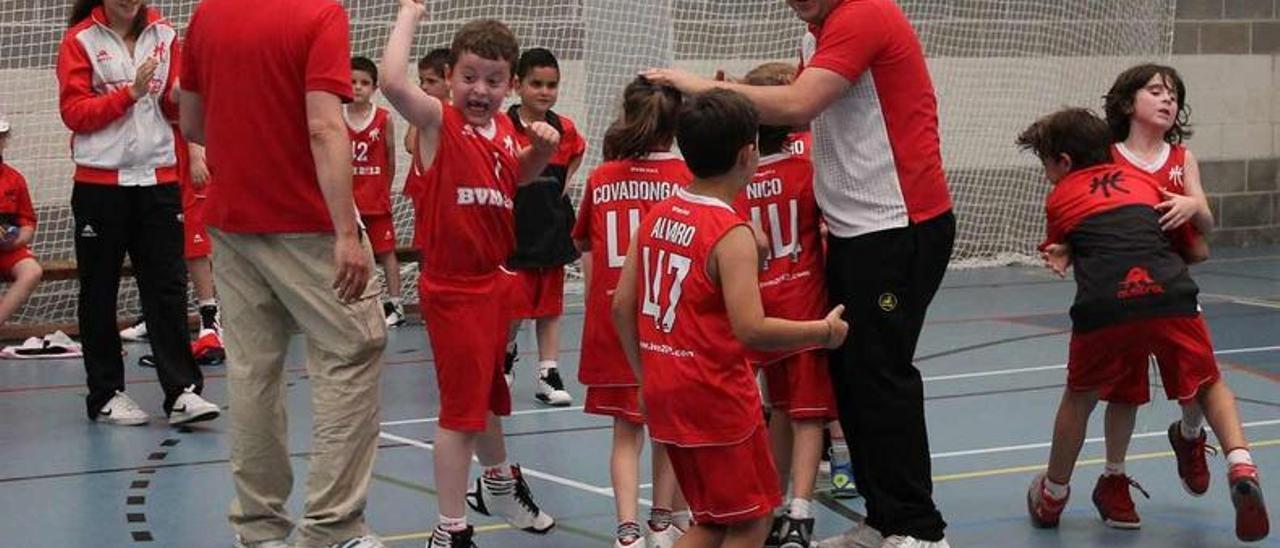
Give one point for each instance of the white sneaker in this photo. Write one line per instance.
(190, 407)
(394, 314)
(278, 543)
(551, 388)
(368, 541)
(860, 536)
(900, 541)
(511, 500)
(666, 538)
(136, 332)
(123, 411)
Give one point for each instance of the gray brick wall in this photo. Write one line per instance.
(1244, 194)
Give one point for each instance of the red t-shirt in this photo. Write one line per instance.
(15, 198)
(370, 174)
(780, 201)
(1168, 170)
(465, 218)
(253, 63)
(618, 194)
(698, 386)
(876, 148)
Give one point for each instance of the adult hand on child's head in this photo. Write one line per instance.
(837, 328)
(352, 266)
(686, 82)
(543, 136)
(142, 81)
(1177, 209)
(1057, 257)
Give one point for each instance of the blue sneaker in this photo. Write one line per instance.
(842, 481)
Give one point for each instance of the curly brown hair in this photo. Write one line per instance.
(488, 38)
(1119, 101)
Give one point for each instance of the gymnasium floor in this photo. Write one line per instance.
(992, 356)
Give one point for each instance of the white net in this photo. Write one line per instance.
(997, 64)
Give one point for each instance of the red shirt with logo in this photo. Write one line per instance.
(780, 201)
(617, 196)
(1126, 268)
(253, 63)
(465, 217)
(698, 386)
(370, 174)
(15, 198)
(1168, 170)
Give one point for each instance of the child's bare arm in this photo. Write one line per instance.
(734, 264)
(391, 152)
(624, 313)
(534, 158)
(420, 109)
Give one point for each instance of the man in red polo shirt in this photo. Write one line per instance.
(290, 252)
(865, 90)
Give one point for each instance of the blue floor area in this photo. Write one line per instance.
(992, 354)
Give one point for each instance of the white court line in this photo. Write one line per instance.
(567, 482)
(513, 414)
(1002, 372)
(1024, 447)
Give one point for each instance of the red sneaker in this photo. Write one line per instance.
(1192, 466)
(1246, 494)
(1043, 509)
(1111, 497)
(207, 348)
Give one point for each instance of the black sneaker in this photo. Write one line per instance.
(452, 539)
(509, 364)
(775, 532)
(795, 533)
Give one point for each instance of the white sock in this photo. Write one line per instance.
(208, 302)
(452, 524)
(800, 509)
(682, 519)
(500, 471)
(1239, 455)
(397, 301)
(839, 450)
(546, 364)
(1055, 489)
(1191, 429)
(1113, 469)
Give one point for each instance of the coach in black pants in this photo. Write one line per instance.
(865, 91)
(117, 68)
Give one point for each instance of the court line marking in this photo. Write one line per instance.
(513, 414)
(561, 480)
(1087, 462)
(427, 534)
(1027, 446)
(1014, 371)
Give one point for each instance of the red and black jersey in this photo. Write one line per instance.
(1125, 266)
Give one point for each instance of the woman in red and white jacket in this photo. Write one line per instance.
(117, 67)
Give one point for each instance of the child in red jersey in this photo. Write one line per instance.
(1146, 111)
(373, 168)
(687, 306)
(780, 201)
(18, 226)
(639, 171)
(472, 165)
(1134, 298)
(544, 219)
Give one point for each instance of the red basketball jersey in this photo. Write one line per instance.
(1168, 170)
(617, 196)
(465, 219)
(370, 174)
(780, 201)
(698, 386)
